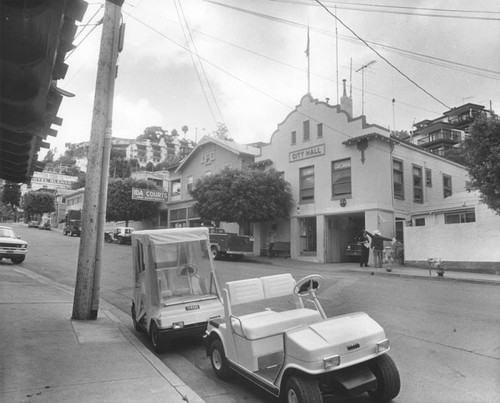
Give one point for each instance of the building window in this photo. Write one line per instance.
(447, 189)
(460, 217)
(418, 188)
(397, 169)
(176, 187)
(428, 178)
(419, 222)
(320, 130)
(190, 181)
(294, 138)
(306, 130)
(341, 178)
(307, 184)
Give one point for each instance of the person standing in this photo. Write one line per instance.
(365, 241)
(378, 246)
(272, 236)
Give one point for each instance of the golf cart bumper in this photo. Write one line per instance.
(194, 329)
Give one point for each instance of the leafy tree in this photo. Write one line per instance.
(153, 133)
(49, 157)
(237, 196)
(222, 132)
(184, 130)
(457, 154)
(121, 207)
(38, 203)
(150, 167)
(483, 159)
(80, 183)
(11, 196)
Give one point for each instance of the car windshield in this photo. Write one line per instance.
(7, 233)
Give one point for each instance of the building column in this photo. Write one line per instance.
(294, 237)
(320, 239)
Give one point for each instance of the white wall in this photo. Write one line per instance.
(469, 242)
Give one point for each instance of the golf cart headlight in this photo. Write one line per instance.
(331, 362)
(177, 325)
(382, 345)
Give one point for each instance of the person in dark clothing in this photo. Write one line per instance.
(378, 246)
(364, 240)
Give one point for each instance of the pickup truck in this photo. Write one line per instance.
(227, 244)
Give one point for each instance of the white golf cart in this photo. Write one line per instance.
(175, 287)
(299, 355)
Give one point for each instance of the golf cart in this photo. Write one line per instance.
(299, 354)
(175, 291)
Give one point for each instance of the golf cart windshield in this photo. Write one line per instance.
(182, 273)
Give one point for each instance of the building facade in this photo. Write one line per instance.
(211, 155)
(347, 175)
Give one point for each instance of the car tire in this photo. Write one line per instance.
(302, 390)
(154, 334)
(219, 361)
(17, 259)
(215, 252)
(388, 381)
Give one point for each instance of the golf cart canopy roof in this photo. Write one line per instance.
(171, 235)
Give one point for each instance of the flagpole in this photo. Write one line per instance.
(308, 64)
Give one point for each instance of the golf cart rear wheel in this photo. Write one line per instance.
(388, 382)
(154, 333)
(302, 390)
(219, 360)
(134, 320)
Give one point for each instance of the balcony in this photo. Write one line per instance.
(443, 136)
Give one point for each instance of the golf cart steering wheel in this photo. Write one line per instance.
(308, 284)
(187, 270)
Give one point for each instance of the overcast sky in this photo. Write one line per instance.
(248, 67)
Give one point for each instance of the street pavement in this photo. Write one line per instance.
(45, 356)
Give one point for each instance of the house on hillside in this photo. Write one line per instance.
(347, 174)
(211, 155)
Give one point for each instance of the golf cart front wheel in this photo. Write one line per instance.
(388, 382)
(302, 390)
(219, 360)
(154, 333)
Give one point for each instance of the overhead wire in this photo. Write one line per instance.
(244, 82)
(356, 8)
(86, 36)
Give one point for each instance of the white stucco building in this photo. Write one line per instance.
(347, 174)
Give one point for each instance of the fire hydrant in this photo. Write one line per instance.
(436, 264)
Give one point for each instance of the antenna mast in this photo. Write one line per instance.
(362, 69)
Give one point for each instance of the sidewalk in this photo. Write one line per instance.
(397, 270)
(47, 357)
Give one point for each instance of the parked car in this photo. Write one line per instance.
(33, 224)
(45, 225)
(120, 234)
(227, 244)
(73, 227)
(299, 355)
(12, 246)
(353, 250)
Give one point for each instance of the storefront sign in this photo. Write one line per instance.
(305, 153)
(149, 195)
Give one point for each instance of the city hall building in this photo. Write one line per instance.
(347, 174)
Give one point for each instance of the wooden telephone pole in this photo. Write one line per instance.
(86, 298)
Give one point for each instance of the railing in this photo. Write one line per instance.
(449, 136)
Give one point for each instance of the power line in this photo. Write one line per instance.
(382, 57)
(356, 8)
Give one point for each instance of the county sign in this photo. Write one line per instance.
(149, 195)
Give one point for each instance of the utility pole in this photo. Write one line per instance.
(362, 69)
(86, 298)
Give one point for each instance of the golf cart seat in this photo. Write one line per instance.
(268, 322)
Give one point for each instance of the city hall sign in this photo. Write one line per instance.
(305, 153)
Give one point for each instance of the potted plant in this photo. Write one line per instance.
(436, 264)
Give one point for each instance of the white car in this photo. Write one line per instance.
(11, 246)
(299, 354)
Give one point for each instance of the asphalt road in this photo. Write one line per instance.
(444, 335)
